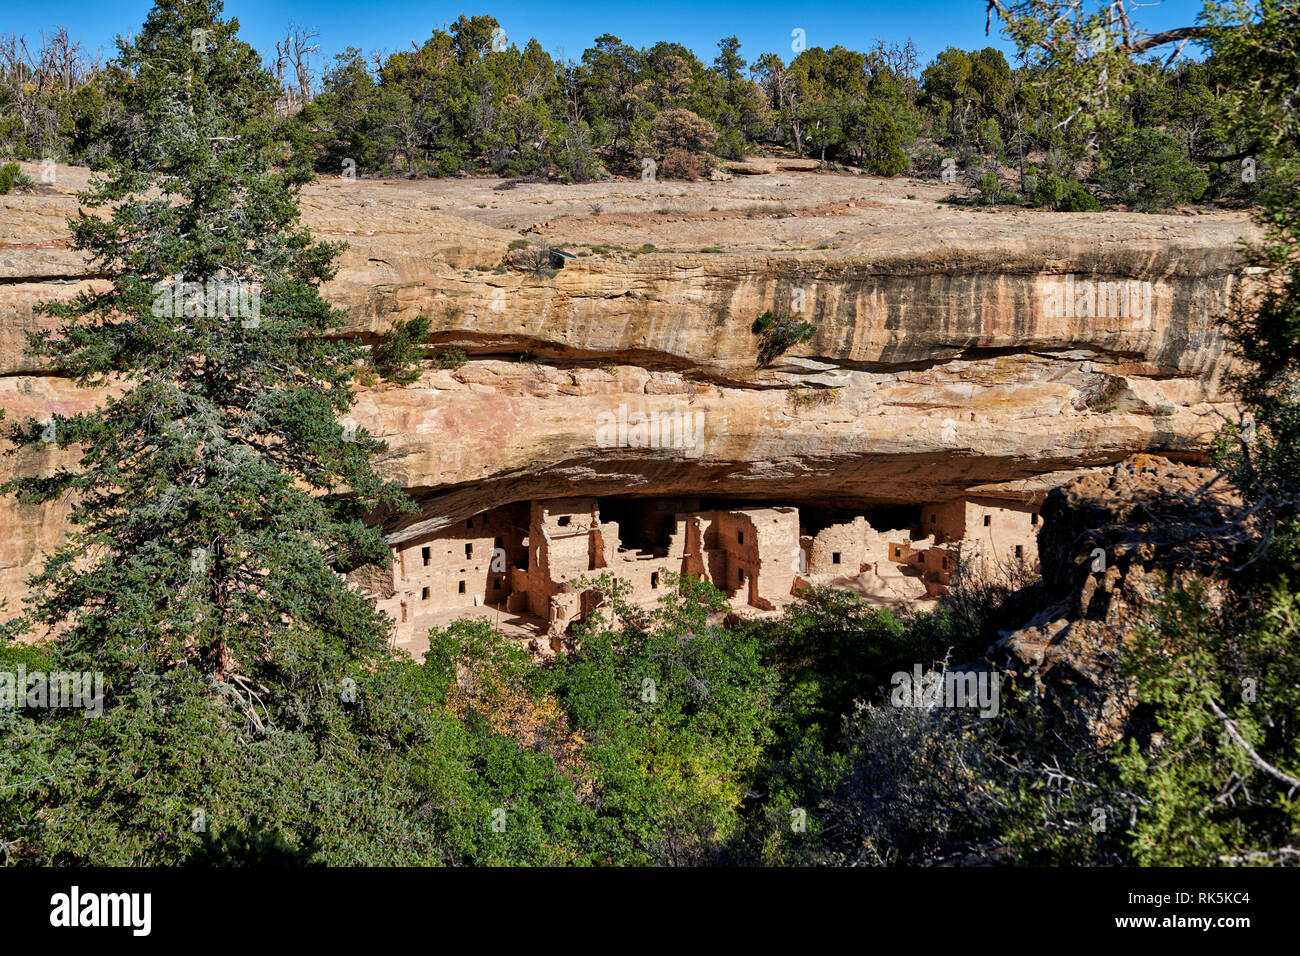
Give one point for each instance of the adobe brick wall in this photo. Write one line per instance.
(754, 555)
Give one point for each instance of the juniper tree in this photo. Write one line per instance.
(218, 496)
(1217, 680)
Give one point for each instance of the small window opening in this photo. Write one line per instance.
(425, 555)
(835, 557)
(461, 587)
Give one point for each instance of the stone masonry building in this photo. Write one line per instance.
(524, 559)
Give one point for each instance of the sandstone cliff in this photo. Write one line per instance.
(944, 360)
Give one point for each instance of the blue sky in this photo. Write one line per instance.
(568, 28)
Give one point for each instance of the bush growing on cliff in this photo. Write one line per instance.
(450, 359)
(400, 351)
(535, 260)
(778, 334)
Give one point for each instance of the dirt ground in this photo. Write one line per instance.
(787, 207)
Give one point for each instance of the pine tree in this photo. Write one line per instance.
(218, 497)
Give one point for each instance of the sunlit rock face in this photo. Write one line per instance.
(955, 351)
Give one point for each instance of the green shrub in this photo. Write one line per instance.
(1063, 195)
(990, 189)
(778, 334)
(1149, 170)
(9, 173)
(396, 356)
(450, 359)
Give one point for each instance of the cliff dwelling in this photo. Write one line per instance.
(522, 563)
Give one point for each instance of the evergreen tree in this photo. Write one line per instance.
(217, 498)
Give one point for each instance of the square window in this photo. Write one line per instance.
(564, 522)
(835, 557)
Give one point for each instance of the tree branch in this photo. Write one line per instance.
(1255, 758)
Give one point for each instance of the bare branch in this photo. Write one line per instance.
(1255, 758)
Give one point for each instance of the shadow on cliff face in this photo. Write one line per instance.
(1111, 542)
